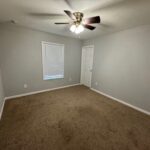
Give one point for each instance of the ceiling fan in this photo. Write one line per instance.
(78, 23)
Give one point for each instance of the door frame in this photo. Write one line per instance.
(92, 46)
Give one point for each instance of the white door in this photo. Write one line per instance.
(87, 65)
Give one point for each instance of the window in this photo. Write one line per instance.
(53, 60)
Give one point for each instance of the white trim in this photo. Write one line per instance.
(46, 90)
(2, 108)
(31, 93)
(121, 101)
(36, 92)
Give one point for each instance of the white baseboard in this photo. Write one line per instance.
(36, 92)
(46, 90)
(121, 101)
(31, 93)
(2, 108)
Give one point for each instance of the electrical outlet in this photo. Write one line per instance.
(25, 86)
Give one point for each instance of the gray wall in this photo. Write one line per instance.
(1, 94)
(21, 60)
(122, 65)
(121, 62)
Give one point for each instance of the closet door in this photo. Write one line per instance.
(87, 65)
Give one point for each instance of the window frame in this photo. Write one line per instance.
(43, 59)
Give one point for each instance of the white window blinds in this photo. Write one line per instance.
(53, 60)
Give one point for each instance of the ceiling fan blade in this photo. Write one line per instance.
(68, 2)
(91, 20)
(101, 5)
(47, 15)
(70, 14)
(61, 23)
(89, 27)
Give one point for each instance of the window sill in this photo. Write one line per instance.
(46, 77)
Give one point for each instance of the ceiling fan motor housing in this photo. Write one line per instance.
(79, 17)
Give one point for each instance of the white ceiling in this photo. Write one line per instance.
(115, 15)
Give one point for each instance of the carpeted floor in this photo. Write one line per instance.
(73, 118)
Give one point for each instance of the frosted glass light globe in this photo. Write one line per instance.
(77, 31)
(73, 28)
(80, 28)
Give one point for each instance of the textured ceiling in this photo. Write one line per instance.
(115, 15)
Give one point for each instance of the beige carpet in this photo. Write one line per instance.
(73, 118)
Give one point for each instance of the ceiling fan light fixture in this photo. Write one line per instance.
(77, 29)
(78, 23)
